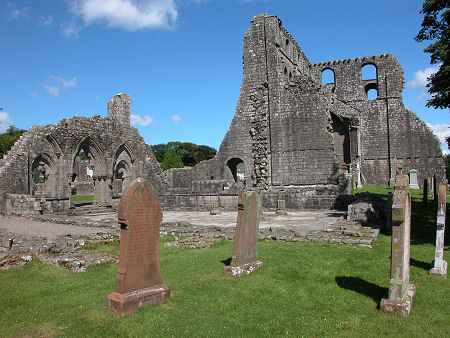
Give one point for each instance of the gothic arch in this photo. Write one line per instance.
(97, 163)
(95, 154)
(55, 144)
(44, 172)
(122, 170)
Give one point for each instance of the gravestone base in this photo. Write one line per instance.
(127, 303)
(238, 271)
(402, 307)
(281, 212)
(440, 272)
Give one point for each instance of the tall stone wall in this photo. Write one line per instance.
(391, 136)
(300, 140)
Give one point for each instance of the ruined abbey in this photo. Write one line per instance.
(293, 137)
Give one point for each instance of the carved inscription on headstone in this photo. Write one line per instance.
(245, 255)
(401, 293)
(139, 278)
(440, 265)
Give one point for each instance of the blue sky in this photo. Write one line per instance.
(181, 60)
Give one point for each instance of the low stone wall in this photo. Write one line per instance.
(301, 197)
(22, 205)
(195, 201)
(26, 205)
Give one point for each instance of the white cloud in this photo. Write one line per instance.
(144, 121)
(52, 90)
(17, 13)
(420, 80)
(46, 20)
(66, 84)
(56, 83)
(129, 14)
(33, 94)
(176, 118)
(5, 121)
(70, 30)
(442, 131)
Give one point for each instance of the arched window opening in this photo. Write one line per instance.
(43, 176)
(369, 72)
(372, 94)
(237, 168)
(327, 76)
(371, 91)
(287, 42)
(285, 71)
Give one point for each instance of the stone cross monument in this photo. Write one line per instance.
(245, 255)
(139, 279)
(440, 266)
(401, 293)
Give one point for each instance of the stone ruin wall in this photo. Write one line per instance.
(41, 164)
(386, 127)
(289, 129)
(291, 137)
(281, 130)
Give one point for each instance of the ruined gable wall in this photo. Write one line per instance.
(411, 144)
(301, 143)
(281, 126)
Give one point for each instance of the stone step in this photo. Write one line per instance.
(92, 210)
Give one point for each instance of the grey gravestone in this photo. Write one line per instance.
(139, 279)
(440, 265)
(401, 293)
(413, 183)
(245, 254)
(281, 207)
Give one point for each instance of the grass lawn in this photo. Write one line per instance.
(303, 289)
(82, 199)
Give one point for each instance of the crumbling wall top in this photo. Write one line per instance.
(119, 109)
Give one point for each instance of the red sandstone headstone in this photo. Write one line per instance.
(401, 293)
(139, 278)
(245, 254)
(440, 265)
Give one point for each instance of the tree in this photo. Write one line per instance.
(8, 139)
(436, 27)
(171, 160)
(159, 150)
(190, 153)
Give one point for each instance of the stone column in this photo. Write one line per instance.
(440, 265)
(401, 293)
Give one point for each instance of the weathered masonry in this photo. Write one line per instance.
(300, 139)
(98, 156)
(295, 137)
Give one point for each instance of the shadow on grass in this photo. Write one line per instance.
(420, 264)
(227, 261)
(363, 287)
(423, 216)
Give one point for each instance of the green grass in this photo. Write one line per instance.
(303, 289)
(82, 199)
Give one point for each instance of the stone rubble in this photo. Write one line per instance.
(65, 251)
